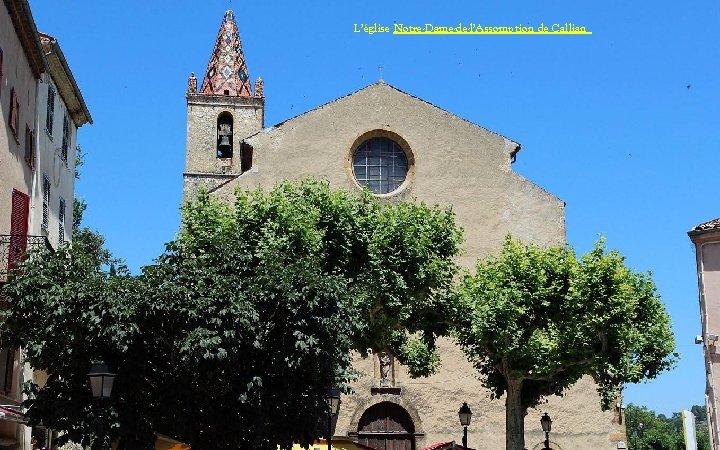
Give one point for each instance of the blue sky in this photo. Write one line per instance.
(622, 125)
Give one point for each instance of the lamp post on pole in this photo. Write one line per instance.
(638, 430)
(546, 423)
(465, 416)
(101, 384)
(333, 401)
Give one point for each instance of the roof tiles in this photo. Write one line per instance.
(227, 73)
(711, 225)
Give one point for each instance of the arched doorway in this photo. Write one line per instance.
(386, 426)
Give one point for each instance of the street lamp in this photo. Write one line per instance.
(546, 423)
(636, 431)
(332, 396)
(101, 384)
(465, 415)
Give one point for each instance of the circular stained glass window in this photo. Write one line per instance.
(380, 165)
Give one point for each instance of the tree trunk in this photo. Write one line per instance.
(514, 416)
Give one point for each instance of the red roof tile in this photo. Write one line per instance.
(711, 225)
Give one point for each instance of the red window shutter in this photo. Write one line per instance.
(18, 227)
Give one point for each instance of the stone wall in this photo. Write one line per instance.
(202, 115)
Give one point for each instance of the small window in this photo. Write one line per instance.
(50, 114)
(29, 145)
(246, 156)
(14, 120)
(380, 165)
(46, 202)
(66, 138)
(61, 222)
(225, 135)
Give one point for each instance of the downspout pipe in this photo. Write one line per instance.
(36, 155)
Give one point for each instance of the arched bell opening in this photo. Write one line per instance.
(225, 135)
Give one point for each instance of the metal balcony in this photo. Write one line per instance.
(14, 247)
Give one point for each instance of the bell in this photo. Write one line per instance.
(224, 142)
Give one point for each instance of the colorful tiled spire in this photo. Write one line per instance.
(227, 73)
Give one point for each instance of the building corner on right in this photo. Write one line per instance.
(706, 238)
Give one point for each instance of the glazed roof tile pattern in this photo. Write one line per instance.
(711, 225)
(227, 73)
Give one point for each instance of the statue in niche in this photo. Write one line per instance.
(386, 362)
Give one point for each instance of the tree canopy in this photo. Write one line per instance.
(230, 338)
(535, 320)
(647, 430)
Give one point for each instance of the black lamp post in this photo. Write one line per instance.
(333, 401)
(465, 415)
(546, 423)
(101, 384)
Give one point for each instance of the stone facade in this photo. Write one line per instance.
(706, 238)
(450, 162)
(205, 168)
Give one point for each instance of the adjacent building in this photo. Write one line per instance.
(42, 109)
(706, 238)
(400, 147)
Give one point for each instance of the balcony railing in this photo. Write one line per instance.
(13, 248)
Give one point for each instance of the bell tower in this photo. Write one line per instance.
(221, 115)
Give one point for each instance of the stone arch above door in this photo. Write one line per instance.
(396, 399)
(386, 426)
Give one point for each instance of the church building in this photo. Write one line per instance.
(400, 147)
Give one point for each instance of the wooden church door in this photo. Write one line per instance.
(386, 426)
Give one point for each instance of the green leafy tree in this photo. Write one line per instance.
(276, 291)
(535, 320)
(67, 309)
(650, 431)
(229, 340)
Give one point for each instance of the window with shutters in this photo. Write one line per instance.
(7, 364)
(46, 202)
(50, 114)
(61, 222)
(14, 119)
(18, 228)
(29, 145)
(66, 138)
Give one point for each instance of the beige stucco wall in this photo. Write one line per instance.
(578, 422)
(708, 268)
(453, 163)
(16, 174)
